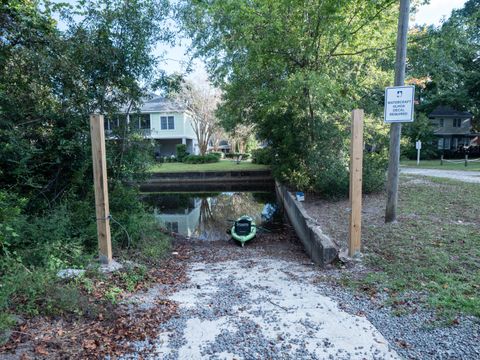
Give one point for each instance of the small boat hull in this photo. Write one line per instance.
(244, 229)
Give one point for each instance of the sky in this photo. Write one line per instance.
(434, 12)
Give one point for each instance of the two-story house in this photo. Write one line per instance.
(166, 121)
(453, 128)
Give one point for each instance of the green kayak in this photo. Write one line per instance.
(244, 229)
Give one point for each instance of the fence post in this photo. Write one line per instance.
(441, 159)
(101, 188)
(356, 163)
(466, 160)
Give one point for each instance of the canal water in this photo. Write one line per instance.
(208, 216)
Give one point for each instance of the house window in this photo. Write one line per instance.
(172, 226)
(110, 124)
(457, 122)
(446, 143)
(167, 123)
(144, 121)
(140, 121)
(441, 123)
(440, 143)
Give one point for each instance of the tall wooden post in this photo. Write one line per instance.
(101, 188)
(356, 168)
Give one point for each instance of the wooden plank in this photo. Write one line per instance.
(101, 188)
(356, 167)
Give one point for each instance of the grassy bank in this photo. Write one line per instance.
(432, 254)
(429, 258)
(223, 165)
(435, 164)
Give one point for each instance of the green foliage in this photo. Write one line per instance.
(420, 129)
(219, 155)
(133, 277)
(374, 172)
(201, 159)
(445, 273)
(181, 151)
(262, 156)
(295, 71)
(329, 174)
(236, 155)
(443, 61)
(129, 159)
(112, 294)
(50, 81)
(34, 292)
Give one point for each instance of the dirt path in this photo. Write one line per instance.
(261, 302)
(466, 176)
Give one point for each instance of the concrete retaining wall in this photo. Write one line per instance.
(321, 249)
(210, 176)
(209, 181)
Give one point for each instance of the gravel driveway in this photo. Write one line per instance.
(466, 176)
(264, 309)
(268, 301)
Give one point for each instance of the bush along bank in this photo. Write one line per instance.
(35, 248)
(320, 162)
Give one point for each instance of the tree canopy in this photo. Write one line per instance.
(295, 69)
(445, 61)
(52, 79)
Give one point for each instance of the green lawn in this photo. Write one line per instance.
(223, 165)
(435, 164)
(431, 256)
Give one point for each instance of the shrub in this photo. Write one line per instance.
(244, 156)
(332, 177)
(218, 155)
(262, 156)
(374, 172)
(201, 159)
(181, 151)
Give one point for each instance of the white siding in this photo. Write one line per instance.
(177, 132)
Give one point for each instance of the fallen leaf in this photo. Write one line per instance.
(40, 350)
(89, 344)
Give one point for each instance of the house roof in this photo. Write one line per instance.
(162, 104)
(155, 103)
(447, 111)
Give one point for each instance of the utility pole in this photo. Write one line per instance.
(396, 128)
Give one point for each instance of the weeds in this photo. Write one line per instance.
(431, 255)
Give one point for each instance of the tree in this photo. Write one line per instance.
(445, 61)
(51, 80)
(294, 69)
(201, 100)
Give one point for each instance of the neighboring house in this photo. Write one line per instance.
(224, 146)
(453, 128)
(166, 121)
(183, 221)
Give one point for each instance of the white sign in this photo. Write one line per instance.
(418, 145)
(399, 104)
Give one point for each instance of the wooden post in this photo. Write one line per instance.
(101, 188)
(356, 163)
(441, 159)
(466, 160)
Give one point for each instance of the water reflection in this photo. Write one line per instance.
(208, 216)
